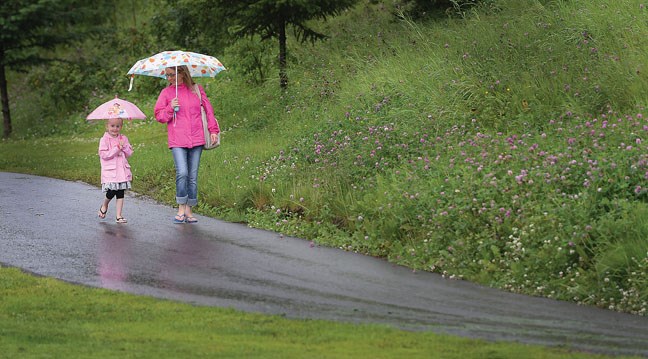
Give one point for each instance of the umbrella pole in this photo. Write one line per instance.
(176, 86)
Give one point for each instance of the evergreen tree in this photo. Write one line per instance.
(193, 25)
(271, 18)
(28, 28)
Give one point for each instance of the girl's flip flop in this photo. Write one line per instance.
(121, 220)
(191, 220)
(102, 214)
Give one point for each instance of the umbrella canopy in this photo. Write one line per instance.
(117, 108)
(199, 65)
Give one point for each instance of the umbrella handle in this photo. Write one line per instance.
(130, 86)
(176, 109)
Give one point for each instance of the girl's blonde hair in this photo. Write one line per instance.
(121, 121)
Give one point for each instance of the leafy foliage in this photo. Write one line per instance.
(253, 58)
(74, 79)
(29, 27)
(269, 19)
(195, 25)
(427, 8)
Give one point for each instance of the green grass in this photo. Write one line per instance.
(46, 318)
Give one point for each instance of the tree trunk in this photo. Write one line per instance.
(283, 77)
(4, 95)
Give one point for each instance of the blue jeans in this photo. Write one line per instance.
(187, 161)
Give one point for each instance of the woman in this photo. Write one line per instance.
(181, 112)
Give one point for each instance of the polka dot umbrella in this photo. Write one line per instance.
(199, 65)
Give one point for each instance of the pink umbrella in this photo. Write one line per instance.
(117, 108)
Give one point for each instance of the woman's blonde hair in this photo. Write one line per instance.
(185, 76)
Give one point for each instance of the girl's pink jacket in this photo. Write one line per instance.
(114, 161)
(187, 128)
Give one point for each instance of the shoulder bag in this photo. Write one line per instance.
(209, 145)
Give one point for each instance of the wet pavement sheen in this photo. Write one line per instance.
(50, 227)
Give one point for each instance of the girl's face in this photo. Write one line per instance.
(113, 126)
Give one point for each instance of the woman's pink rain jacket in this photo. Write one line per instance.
(186, 130)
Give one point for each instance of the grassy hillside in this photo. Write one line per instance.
(505, 147)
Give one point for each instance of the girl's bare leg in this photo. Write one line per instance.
(119, 205)
(104, 208)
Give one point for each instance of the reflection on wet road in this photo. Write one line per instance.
(113, 257)
(229, 265)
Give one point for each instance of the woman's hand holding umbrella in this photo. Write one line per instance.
(175, 104)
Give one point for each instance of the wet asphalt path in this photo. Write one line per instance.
(50, 227)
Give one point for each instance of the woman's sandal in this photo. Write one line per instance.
(179, 218)
(191, 219)
(121, 220)
(102, 214)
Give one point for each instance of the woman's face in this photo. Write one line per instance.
(171, 75)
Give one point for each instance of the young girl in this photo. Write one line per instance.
(116, 175)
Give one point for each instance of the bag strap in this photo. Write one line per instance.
(199, 95)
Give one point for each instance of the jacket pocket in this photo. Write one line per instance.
(109, 170)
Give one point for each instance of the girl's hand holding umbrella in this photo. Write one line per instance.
(175, 104)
